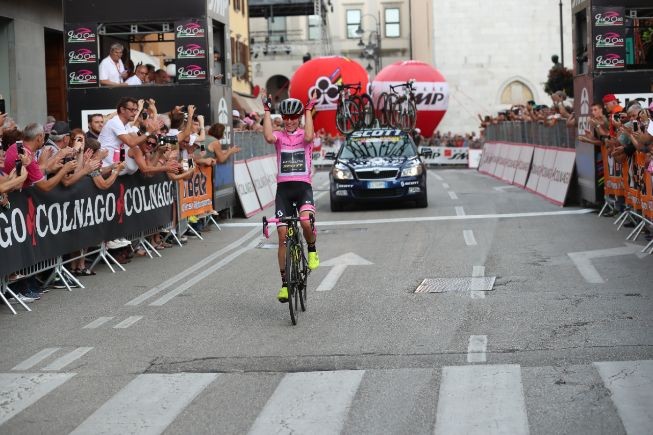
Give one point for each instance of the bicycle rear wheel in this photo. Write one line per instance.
(392, 106)
(366, 118)
(292, 279)
(347, 115)
(303, 285)
(380, 110)
(409, 116)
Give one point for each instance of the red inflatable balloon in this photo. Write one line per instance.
(323, 74)
(432, 90)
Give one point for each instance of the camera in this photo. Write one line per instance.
(162, 140)
(20, 148)
(19, 166)
(635, 126)
(202, 147)
(190, 163)
(122, 154)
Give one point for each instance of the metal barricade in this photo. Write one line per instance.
(533, 133)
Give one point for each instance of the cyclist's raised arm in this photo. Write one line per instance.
(309, 131)
(267, 119)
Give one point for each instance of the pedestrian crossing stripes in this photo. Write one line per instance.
(56, 365)
(472, 399)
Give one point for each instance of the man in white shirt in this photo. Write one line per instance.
(139, 78)
(115, 132)
(112, 70)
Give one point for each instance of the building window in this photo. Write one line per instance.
(277, 29)
(353, 22)
(314, 22)
(237, 5)
(392, 27)
(516, 92)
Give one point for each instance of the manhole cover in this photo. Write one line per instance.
(443, 285)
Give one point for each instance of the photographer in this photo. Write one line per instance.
(23, 152)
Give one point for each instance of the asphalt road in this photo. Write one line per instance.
(517, 341)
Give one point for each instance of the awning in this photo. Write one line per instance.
(247, 104)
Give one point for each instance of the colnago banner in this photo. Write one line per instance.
(43, 225)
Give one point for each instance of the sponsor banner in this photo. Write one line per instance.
(489, 157)
(608, 59)
(501, 160)
(635, 180)
(536, 169)
(608, 17)
(196, 194)
(608, 38)
(81, 54)
(444, 155)
(245, 188)
(511, 162)
(560, 179)
(546, 173)
(191, 51)
(270, 168)
(523, 165)
(257, 172)
(474, 158)
(41, 226)
(647, 197)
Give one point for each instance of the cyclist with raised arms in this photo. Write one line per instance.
(294, 147)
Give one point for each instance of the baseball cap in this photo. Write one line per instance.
(235, 113)
(609, 97)
(60, 128)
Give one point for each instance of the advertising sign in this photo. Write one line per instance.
(196, 194)
(608, 38)
(81, 55)
(191, 51)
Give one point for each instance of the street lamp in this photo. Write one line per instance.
(373, 48)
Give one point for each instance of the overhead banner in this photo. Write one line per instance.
(445, 155)
(196, 194)
(41, 226)
(81, 52)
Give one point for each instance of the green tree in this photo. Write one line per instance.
(560, 79)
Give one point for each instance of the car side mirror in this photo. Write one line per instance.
(330, 156)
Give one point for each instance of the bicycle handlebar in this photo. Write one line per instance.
(286, 220)
(408, 84)
(350, 86)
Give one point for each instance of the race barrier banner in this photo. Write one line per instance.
(445, 155)
(196, 194)
(474, 158)
(44, 225)
(647, 197)
(264, 185)
(545, 171)
(245, 188)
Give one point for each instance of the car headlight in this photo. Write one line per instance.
(341, 172)
(412, 171)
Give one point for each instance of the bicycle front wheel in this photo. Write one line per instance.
(292, 272)
(347, 115)
(303, 286)
(366, 119)
(380, 110)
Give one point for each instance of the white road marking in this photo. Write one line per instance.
(477, 285)
(20, 390)
(338, 266)
(35, 359)
(502, 189)
(583, 260)
(68, 358)
(192, 269)
(470, 240)
(460, 211)
(97, 322)
(445, 185)
(129, 321)
(147, 405)
(437, 177)
(205, 273)
(429, 218)
(309, 402)
(452, 195)
(631, 385)
(477, 348)
(481, 399)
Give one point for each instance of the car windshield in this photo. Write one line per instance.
(357, 148)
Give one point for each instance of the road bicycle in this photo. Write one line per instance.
(354, 111)
(400, 108)
(296, 264)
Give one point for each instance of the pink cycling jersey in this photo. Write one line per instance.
(294, 156)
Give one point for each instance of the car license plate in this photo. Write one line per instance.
(376, 185)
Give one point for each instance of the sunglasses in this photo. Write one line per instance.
(290, 117)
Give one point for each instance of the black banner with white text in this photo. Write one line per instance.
(42, 225)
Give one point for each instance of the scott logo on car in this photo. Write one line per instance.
(379, 132)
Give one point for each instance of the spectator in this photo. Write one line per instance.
(112, 70)
(114, 133)
(33, 139)
(139, 77)
(214, 153)
(151, 72)
(95, 124)
(11, 181)
(236, 122)
(161, 77)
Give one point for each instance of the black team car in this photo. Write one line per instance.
(377, 165)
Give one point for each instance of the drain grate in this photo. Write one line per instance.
(446, 285)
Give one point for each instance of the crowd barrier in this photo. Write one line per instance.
(40, 229)
(628, 189)
(532, 133)
(545, 171)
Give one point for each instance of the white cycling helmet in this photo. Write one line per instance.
(291, 107)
